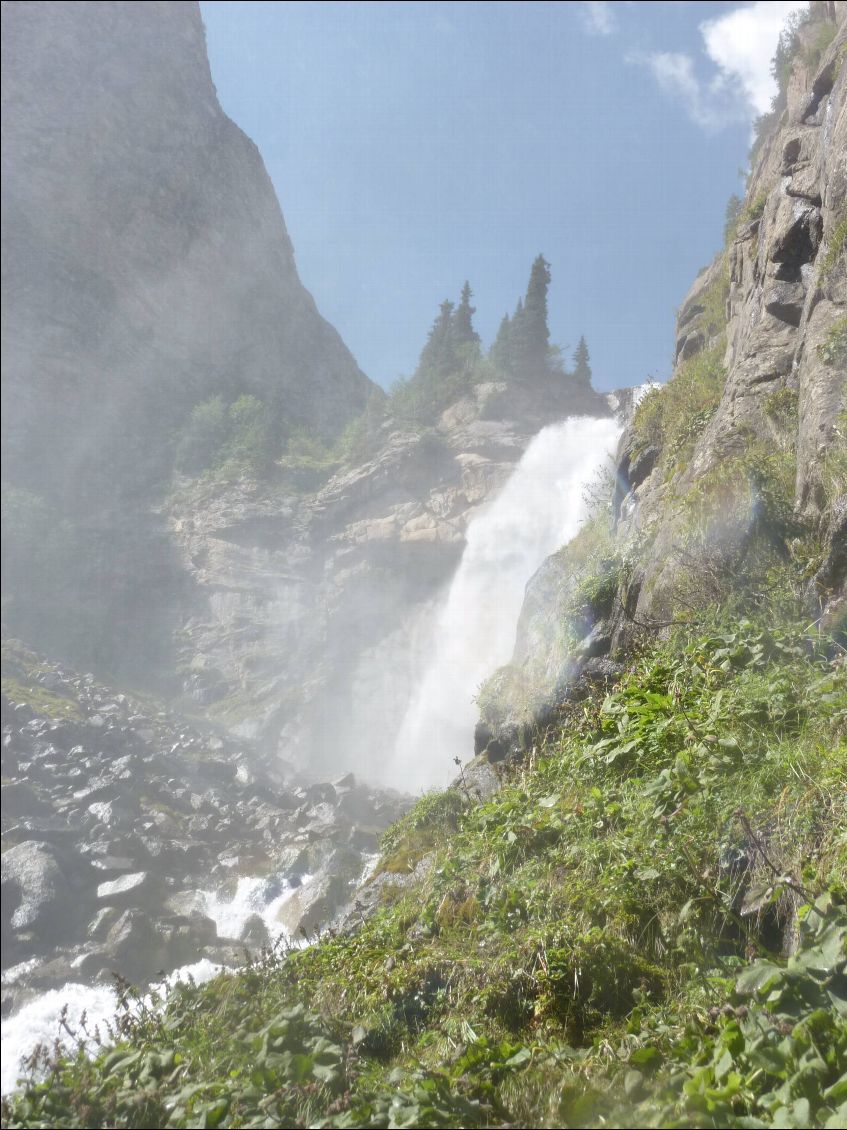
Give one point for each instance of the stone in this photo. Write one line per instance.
(36, 892)
(126, 889)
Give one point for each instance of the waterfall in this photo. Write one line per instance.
(540, 507)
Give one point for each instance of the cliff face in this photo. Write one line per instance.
(146, 267)
(146, 261)
(739, 458)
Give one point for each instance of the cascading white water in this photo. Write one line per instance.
(38, 1021)
(540, 508)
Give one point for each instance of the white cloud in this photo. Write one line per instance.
(598, 18)
(674, 72)
(740, 46)
(742, 43)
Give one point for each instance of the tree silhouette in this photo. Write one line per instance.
(581, 364)
(462, 328)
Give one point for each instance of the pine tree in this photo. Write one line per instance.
(438, 356)
(463, 331)
(535, 313)
(500, 353)
(581, 364)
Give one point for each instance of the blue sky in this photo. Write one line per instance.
(415, 145)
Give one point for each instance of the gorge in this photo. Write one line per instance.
(254, 606)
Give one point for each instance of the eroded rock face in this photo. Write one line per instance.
(778, 293)
(148, 260)
(787, 295)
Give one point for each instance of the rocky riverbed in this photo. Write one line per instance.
(136, 841)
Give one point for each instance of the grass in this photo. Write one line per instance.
(673, 416)
(836, 245)
(597, 944)
(21, 671)
(43, 702)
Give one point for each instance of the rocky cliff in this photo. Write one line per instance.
(146, 267)
(738, 463)
(147, 261)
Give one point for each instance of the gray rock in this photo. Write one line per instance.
(132, 889)
(36, 892)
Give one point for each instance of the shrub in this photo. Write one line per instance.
(250, 435)
(217, 435)
(203, 437)
(836, 245)
(673, 416)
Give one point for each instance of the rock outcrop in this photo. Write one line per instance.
(740, 454)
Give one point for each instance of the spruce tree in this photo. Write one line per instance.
(529, 335)
(537, 333)
(500, 353)
(438, 356)
(581, 364)
(463, 331)
(520, 349)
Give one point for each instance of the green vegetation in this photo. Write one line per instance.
(673, 416)
(834, 467)
(582, 364)
(817, 44)
(833, 350)
(598, 944)
(738, 216)
(452, 361)
(221, 441)
(806, 36)
(836, 245)
(227, 438)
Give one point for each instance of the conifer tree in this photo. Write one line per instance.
(581, 363)
(463, 331)
(500, 353)
(438, 356)
(537, 333)
(529, 335)
(519, 343)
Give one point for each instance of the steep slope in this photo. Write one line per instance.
(738, 463)
(146, 267)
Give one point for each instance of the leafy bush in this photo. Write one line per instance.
(833, 350)
(239, 435)
(204, 436)
(250, 437)
(817, 44)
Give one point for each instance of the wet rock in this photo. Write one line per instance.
(254, 933)
(136, 888)
(36, 893)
